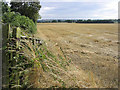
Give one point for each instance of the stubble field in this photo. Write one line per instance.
(93, 48)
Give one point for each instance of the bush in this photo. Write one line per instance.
(5, 7)
(16, 20)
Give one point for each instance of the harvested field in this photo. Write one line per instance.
(93, 48)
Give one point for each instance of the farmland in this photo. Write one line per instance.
(93, 48)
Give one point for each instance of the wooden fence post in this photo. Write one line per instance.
(16, 35)
(5, 59)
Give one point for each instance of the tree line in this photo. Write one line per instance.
(78, 21)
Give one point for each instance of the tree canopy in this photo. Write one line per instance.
(29, 9)
(15, 19)
(5, 8)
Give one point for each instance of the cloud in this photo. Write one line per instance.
(92, 10)
(44, 12)
(70, 0)
(119, 10)
(46, 9)
(108, 10)
(79, 0)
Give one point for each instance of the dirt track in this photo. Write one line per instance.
(92, 47)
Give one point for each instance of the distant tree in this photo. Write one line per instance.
(118, 20)
(59, 21)
(54, 21)
(79, 21)
(68, 21)
(89, 21)
(29, 9)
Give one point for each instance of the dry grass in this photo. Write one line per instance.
(51, 71)
(93, 49)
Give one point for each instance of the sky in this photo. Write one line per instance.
(79, 9)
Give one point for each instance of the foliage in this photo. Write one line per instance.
(54, 21)
(29, 9)
(16, 20)
(118, 20)
(95, 21)
(79, 21)
(5, 7)
(59, 21)
(69, 21)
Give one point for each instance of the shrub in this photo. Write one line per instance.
(16, 20)
(5, 7)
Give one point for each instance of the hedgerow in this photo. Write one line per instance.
(16, 20)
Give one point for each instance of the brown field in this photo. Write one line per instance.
(93, 48)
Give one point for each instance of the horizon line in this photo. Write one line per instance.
(76, 19)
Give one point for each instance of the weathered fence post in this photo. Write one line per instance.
(5, 59)
(16, 35)
(10, 55)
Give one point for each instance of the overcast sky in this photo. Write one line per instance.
(79, 9)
